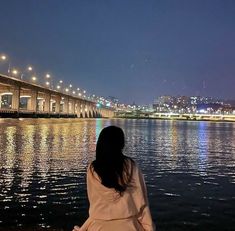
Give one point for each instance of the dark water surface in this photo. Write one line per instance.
(189, 169)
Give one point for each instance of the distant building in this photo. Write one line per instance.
(191, 104)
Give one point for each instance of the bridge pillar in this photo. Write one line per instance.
(92, 110)
(16, 99)
(82, 112)
(76, 108)
(71, 106)
(32, 102)
(57, 104)
(86, 113)
(66, 105)
(79, 108)
(88, 110)
(47, 103)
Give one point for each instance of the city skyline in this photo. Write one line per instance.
(132, 50)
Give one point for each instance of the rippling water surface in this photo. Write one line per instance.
(189, 169)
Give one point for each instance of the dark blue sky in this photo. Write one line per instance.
(134, 50)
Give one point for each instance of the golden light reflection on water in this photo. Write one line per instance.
(26, 155)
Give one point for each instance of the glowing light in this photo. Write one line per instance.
(78, 89)
(61, 81)
(79, 94)
(58, 87)
(66, 89)
(30, 68)
(84, 92)
(15, 72)
(74, 92)
(48, 76)
(70, 85)
(34, 78)
(98, 105)
(7, 93)
(47, 83)
(25, 96)
(3, 57)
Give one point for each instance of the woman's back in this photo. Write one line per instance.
(107, 203)
(116, 188)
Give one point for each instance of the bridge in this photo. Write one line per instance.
(19, 98)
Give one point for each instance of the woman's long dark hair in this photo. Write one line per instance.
(113, 168)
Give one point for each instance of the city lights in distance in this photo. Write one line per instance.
(66, 89)
(70, 85)
(61, 81)
(30, 68)
(58, 87)
(48, 76)
(34, 78)
(47, 83)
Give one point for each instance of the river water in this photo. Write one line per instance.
(189, 169)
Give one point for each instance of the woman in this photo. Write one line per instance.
(116, 188)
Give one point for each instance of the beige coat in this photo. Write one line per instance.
(111, 212)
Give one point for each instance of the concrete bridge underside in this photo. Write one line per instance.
(23, 99)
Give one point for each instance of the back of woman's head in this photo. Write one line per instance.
(110, 144)
(111, 165)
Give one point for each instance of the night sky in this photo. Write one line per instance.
(133, 50)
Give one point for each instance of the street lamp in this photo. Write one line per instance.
(29, 68)
(49, 82)
(34, 78)
(3, 57)
(14, 72)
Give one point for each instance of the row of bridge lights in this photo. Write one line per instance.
(15, 72)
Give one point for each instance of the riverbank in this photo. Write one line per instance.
(211, 119)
